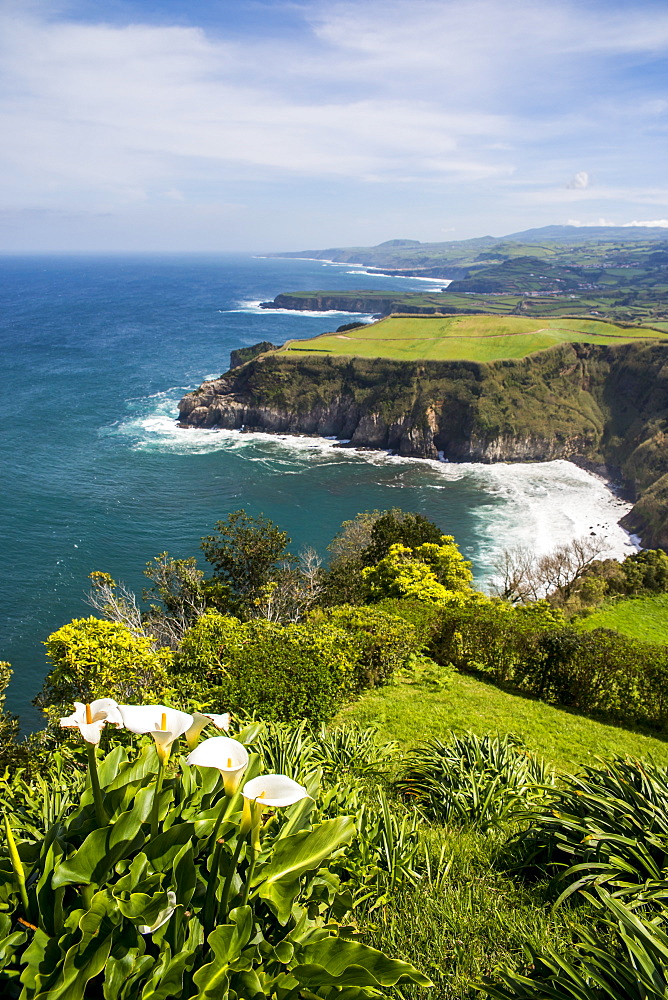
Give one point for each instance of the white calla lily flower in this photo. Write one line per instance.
(228, 755)
(164, 724)
(162, 917)
(90, 719)
(202, 719)
(275, 790)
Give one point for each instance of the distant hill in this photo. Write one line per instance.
(583, 245)
(589, 234)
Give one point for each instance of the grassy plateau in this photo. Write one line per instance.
(466, 338)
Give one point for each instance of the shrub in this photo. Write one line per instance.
(473, 781)
(281, 672)
(382, 643)
(623, 958)
(430, 572)
(608, 825)
(599, 671)
(93, 658)
(422, 616)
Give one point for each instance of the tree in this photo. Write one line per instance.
(434, 573)
(524, 576)
(397, 526)
(246, 553)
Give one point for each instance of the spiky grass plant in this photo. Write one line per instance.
(473, 781)
(608, 825)
(625, 957)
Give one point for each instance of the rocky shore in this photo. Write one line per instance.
(602, 405)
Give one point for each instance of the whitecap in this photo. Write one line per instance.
(539, 505)
(253, 306)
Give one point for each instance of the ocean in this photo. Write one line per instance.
(97, 351)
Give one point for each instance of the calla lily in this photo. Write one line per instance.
(91, 719)
(228, 755)
(274, 790)
(202, 719)
(164, 724)
(162, 917)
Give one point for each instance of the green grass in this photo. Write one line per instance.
(411, 712)
(644, 618)
(465, 338)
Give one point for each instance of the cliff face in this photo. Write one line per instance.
(376, 303)
(600, 404)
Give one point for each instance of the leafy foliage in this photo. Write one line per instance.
(90, 655)
(284, 672)
(382, 643)
(472, 781)
(433, 573)
(397, 526)
(112, 911)
(608, 825)
(245, 552)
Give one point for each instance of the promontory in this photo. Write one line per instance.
(478, 389)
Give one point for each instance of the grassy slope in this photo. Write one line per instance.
(644, 618)
(409, 713)
(465, 338)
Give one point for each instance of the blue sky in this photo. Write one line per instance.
(267, 125)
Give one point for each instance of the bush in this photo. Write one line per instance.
(93, 658)
(473, 781)
(422, 616)
(382, 642)
(281, 672)
(608, 825)
(599, 671)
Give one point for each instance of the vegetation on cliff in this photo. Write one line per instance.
(605, 404)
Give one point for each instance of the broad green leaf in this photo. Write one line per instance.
(336, 962)
(104, 847)
(185, 874)
(162, 851)
(226, 942)
(302, 852)
(167, 978)
(87, 957)
(108, 767)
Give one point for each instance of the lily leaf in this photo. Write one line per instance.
(302, 852)
(104, 847)
(226, 942)
(336, 962)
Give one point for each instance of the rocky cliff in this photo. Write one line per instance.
(377, 303)
(578, 401)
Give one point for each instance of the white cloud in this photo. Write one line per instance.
(656, 223)
(492, 100)
(579, 182)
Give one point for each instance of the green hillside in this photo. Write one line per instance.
(410, 711)
(465, 338)
(644, 618)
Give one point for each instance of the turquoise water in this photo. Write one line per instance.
(96, 354)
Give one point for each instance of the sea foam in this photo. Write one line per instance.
(538, 505)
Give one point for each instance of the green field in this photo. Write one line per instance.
(644, 618)
(465, 338)
(411, 712)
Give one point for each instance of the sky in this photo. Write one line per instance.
(222, 125)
